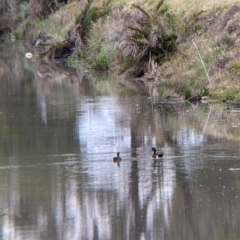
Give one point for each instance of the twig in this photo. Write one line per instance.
(194, 44)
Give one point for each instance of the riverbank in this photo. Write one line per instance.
(174, 48)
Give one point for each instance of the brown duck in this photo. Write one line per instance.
(156, 155)
(117, 159)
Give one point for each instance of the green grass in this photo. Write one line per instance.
(50, 27)
(231, 94)
(234, 67)
(102, 60)
(73, 61)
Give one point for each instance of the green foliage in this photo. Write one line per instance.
(17, 35)
(83, 18)
(101, 61)
(231, 94)
(205, 91)
(24, 10)
(100, 55)
(89, 15)
(194, 83)
(186, 92)
(20, 32)
(234, 67)
(73, 60)
(189, 25)
(164, 8)
(159, 5)
(50, 27)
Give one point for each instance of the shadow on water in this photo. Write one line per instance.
(59, 131)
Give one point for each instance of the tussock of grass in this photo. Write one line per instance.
(51, 28)
(234, 67)
(65, 17)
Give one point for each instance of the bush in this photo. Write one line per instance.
(149, 35)
(101, 61)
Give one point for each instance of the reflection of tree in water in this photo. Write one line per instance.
(72, 207)
(139, 211)
(12, 70)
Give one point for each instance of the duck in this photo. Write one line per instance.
(156, 155)
(117, 159)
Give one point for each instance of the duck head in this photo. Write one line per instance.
(154, 149)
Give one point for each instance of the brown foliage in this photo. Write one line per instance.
(5, 24)
(64, 49)
(42, 8)
(229, 15)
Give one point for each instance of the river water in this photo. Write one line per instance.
(59, 132)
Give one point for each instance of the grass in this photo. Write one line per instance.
(101, 61)
(192, 5)
(52, 28)
(234, 67)
(231, 94)
(74, 61)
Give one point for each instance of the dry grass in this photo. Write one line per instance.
(179, 5)
(66, 15)
(218, 43)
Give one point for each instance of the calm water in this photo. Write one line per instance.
(59, 131)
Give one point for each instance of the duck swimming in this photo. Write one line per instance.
(117, 159)
(156, 155)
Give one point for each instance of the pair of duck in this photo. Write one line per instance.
(155, 156)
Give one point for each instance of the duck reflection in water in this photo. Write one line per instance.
(156, 156)
(117, 159)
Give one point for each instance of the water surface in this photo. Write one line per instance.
(59, 131)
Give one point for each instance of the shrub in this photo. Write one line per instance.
(231, 94)
(101, 61)
(234, 67)
(150, 35)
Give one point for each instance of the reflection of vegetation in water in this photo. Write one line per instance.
(205, 119)
(100, 76)
(74, 61)
(103, 84)
(204, 107)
